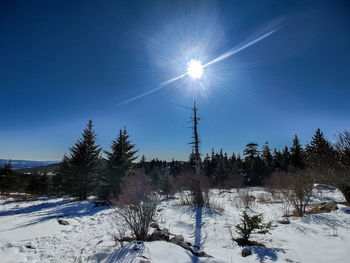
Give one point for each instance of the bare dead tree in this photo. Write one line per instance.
(195, 142)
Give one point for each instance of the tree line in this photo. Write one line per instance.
(90, 170)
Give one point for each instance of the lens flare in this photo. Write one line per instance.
(195, 69)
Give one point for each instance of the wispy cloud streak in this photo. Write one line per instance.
(235, 51)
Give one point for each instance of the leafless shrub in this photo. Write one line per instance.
(296, 189)
(276, 196)
(119, 235)
(245, 198)
(231, 182)
(285, 208)
(137, 205)
(214, 205)
(198, 189)
(264, 198)
(334, 231)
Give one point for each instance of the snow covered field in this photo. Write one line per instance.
(29, 232)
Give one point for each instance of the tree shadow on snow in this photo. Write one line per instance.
(46, 211)
(325, 219)
(345, 210)
(126, 254)
(264, 253)
(33, 208)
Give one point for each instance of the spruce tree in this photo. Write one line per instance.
(266, 155)
(297, 155)
(267, 158)
(9, 178)
(221, 172)
(321, 156)
(119, 164)
(33, 185)
(285, 159)
(251, 151)
(319, 150)
(277, 159)
(341, 177)
(84, 164)
(254, 166)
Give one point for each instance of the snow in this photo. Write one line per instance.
(29, 232)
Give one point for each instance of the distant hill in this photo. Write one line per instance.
(25, 164)
(49, 169)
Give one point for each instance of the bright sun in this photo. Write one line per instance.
(195, 69)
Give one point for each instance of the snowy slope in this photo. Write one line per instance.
(29, 232)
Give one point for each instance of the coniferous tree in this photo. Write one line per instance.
(277, 160)
(254, 165)
(297, 155)
(251, 151)
(119, 164)
(33, 185)
(207, 165)
(266, 155)
(341, 176)
(221, 172)
(63, 180)
(142, 163)
(84, 164)
(167, 184)
(320, 153)
(175, 168)
(9, 178)
(285, 159)
(267, 159)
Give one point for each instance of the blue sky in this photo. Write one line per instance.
(65, 62)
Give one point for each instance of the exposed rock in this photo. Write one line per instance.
(160, 235)
(246, 252)
(29, 246)
(177, 239)
(62, 222)
(328, 207)
(284, 222)
(200, 254)
(154, 225)
(180, 241)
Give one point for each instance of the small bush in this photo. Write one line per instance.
(167, 185)
(296, 189)
(251, 223)
(137, 206)
(245, 198)
(198, 187)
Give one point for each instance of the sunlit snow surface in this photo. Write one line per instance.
(86, 238)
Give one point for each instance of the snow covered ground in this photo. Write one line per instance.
(29, 232)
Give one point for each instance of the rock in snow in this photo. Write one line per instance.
(180, 241)
(328, 207)
(63, 222)
(246, 252)
(160, 235)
